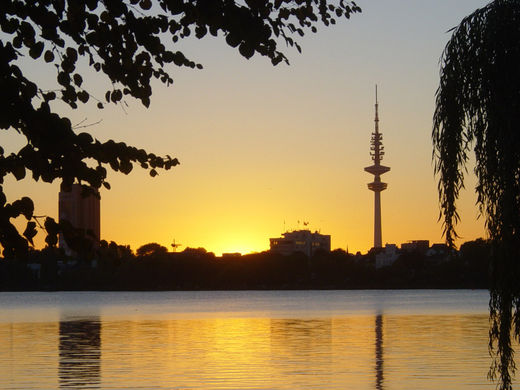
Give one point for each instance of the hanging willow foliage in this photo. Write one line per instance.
(478, 107)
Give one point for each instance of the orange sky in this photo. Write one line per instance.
(262, 145)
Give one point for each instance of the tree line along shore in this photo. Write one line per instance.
(117, 267)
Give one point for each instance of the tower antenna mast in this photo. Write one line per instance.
(377, 152)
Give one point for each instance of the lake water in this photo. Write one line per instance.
(413, 339)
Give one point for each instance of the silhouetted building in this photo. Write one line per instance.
(300, 241)
(416, 246)
(387, 256)
(231, 255)
(438, 250)
(377, 152)
(83, 212)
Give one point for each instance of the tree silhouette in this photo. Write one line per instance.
(131, 42)
(478, 106)
(151, 249)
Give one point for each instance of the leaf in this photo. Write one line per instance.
(17, 42)
(125, 166)
(30, 231)
(78, 80)
(49, 96)
(19, 172)
(116, 95)
(201, 31)
(48, 56)
(25, 206)
(85, 138)
(36, 50)
(83, 96)
(246, 49)
(52, 229)
(232, 40)
(63, 79)
(145, 4)
(72, 54)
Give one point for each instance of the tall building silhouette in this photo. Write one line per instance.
(377, 152)
(83, 212)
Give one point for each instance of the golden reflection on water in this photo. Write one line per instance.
(379, 352)
(355, 352)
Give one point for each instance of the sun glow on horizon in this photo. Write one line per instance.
(259, 145)
(236, 244)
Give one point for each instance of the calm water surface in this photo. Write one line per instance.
(245, 340)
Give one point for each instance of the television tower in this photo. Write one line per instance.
(377, 151)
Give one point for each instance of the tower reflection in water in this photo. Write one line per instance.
(379, 352)
(80, 353)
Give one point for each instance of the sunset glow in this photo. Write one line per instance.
(264, 148)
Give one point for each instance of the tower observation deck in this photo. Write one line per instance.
(377, 152)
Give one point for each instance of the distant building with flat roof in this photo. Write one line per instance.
(83, 212)
(300, 241)
(231, 255)
(416, 245)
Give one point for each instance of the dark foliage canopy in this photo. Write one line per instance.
(131, 42)
(151, 249)
(478, 106)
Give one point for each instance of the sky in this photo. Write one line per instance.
(264, 149)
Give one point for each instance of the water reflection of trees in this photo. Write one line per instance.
(80, 353)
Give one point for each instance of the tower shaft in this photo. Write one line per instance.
(378, 235)
(377, 153)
